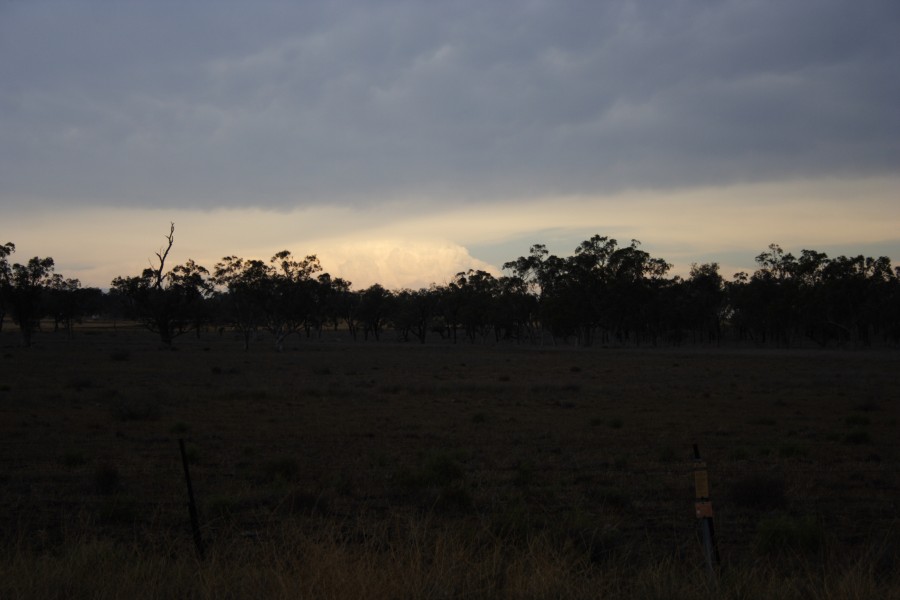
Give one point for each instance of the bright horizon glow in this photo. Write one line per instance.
(399, 247)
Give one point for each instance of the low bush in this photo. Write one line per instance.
(759, 491)
(858, 437)
(106, 478)
(137, 410)
(784, 534)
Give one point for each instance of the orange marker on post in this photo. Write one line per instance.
(704, 511)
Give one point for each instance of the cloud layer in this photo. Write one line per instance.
(283, 105)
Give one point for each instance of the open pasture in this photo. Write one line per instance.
(475, 470)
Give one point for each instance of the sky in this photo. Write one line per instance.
(403, 142)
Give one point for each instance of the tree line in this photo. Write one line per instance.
(604, 293)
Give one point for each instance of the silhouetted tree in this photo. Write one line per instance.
(293, 295)
(853, 287)
(704, 303)
(346, 305)
(516, 310)
(475, 291)
(328, 300)
(413, 312)
(6, 250)
(248, 284)
(64, 302)
(166, 302)
(374, 306)
(26, 289)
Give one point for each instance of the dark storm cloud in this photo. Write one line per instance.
(282, 104)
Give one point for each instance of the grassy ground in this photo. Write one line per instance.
(340, 469)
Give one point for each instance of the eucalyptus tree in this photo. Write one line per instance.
(346, 305)
(854, 287)
(5, 279)
(477, 293)
(166, 302)
(375, 303)
(765, 305)
(293, 295)
(812, 298)
(632, 281)
(327, 308)
(516, 310)
(247, 286)
(414, 311)
(65, 302)
(556, 283)
(531, 269)
(704, 305)
(447, 310)
(540, 277)
(25, 287)
(601, 288)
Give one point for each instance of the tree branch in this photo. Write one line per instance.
(161, 255)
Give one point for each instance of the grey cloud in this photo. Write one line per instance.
(282, 104)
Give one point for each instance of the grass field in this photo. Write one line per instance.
(340, 469)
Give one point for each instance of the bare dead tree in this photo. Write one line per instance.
(168, 303)
(159, 273)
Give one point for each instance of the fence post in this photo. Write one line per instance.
(703, 509)
(192, 506)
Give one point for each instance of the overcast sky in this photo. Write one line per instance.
(406, 141)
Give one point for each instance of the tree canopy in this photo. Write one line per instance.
(603, 293)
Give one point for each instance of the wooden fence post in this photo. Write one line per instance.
(703, 509)
(192, 506)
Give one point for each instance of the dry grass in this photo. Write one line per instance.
(401, 471)
(414, 563)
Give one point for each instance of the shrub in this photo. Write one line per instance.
(79, 383)
(72, 459)
(784, 534)
(760, 491)
(610, 497)
(791, 451)
(298, 501)
(738, 453)
(106, 479)
(281, 469)
(440, 469)
(136, 410)
(118, 510)
(454, 499)
(220, 508)
(524, 474)
(667, 454)
(119, 356)
(192, 455)
(858, 437)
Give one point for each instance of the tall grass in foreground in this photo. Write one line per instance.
(412, 562)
